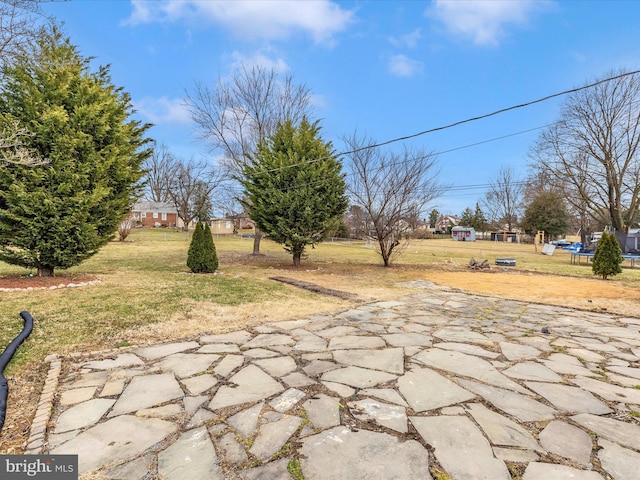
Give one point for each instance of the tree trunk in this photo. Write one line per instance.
(256, 241)
(296, 259)
(45, 271)
(384, 253)
(621, 237)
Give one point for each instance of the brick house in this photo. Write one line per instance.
(156, 214)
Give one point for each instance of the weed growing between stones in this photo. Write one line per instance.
(439, 474)
(294, 469)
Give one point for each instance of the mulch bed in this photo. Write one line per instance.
(26, 281)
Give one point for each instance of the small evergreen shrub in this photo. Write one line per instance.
(202, 256)
(608, 256)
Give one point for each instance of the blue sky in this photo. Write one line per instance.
(386, 68)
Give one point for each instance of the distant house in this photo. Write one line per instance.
(463, 234)
(156, 214)
(242, 221)
(446, 222)
(230, 224)
(222, 226)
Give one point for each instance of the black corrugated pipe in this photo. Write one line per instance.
(6, 357)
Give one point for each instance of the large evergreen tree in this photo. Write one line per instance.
(479, 220)
(547, 212)
(466, 218)
(433, 218)
(61, 211)
(295, 190)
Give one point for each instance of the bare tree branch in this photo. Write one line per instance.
(160, 167)
(20, 23)
(392, 190)
(593, 152)
(191, 189)
(503, 200)
(13, 149)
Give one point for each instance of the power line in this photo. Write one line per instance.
(460, 122)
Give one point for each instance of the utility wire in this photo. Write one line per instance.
(460, 122)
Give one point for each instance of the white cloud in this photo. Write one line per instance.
(268, 19)
(484, 21)
(409, 40)
(403, 66)
(318, 101)
(259, 59)
(162, 110)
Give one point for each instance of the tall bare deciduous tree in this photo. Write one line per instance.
(503, 200)
(20, 24)
(191, 188)
(240, 111)
(592, 151)
(391, 189)
(159, 167)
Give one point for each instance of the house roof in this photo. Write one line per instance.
(160, 207)
(461, 229)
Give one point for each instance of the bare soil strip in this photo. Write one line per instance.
(312, 287)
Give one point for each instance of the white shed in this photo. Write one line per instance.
(633, 241)
(463, 234)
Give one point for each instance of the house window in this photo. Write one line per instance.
(144, 214)
(155, 214)
(228, 224)
(164, 215)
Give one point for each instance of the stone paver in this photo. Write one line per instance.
(357, 377)
(467, 366)
(532, 371)
(342, 394)
(550, 471)
(146, 391)
(273, 436)
(425, 390)
(117, 439)
(389, 360)
(450, 436)
(501, 430)
(622, 433)
(569, 399)
(83, 415)
(341, 453)
(191, 456)
(390, 416)
(252, 385)
(524, 408)
(567, 441)
(621, 463)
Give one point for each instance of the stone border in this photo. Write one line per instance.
(52, 287)
(36, 443)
